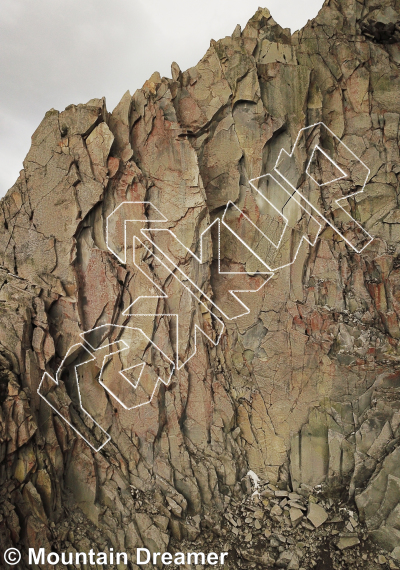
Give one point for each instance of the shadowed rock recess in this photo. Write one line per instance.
(279, 445)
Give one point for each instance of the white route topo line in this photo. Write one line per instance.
(317, 147)
(146, 233)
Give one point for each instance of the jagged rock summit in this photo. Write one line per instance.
(302, 390)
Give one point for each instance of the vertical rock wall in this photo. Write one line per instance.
(304, 390)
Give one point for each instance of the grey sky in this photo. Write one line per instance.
(56, 52)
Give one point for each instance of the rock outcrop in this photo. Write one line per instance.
(302, 390)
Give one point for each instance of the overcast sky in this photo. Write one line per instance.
(54, 53)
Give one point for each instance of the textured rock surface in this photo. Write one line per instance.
(304, 391)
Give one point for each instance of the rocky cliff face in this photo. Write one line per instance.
(297, 382)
